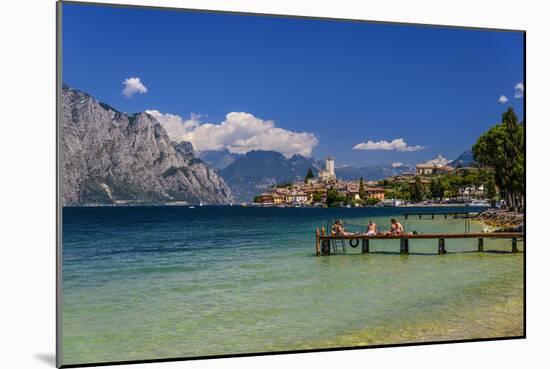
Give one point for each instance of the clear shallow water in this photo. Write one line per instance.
(160, 282)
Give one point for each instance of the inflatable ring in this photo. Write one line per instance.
(352, 244)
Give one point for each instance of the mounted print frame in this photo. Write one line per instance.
(234, 184)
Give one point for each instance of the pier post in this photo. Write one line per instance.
(365, 246)
(419, 216)
(317, 242)
(404, 246)
(514, 245)
(441, 247)
(445, 215)
(480, 244)
(406, 216)
(325, 247)
(432, 215)
(325, 244)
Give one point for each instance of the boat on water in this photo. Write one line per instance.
(478, 203)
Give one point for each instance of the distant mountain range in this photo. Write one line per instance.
(466, 159)
(219, 159)
(256, 171)
(250, 174)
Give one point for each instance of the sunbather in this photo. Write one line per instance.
(338, 229)
(371, 228)
(396, 228)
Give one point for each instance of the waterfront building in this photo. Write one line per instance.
(375, 193)
(327, 175)
(438, 164)
(266, 199)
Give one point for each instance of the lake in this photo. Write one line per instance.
(169, 282)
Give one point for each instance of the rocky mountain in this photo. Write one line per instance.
(256, 171)
(466, 159)
(218, 159)
(372, 172)
(110, 157)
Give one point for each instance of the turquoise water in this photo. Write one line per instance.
(164, 282)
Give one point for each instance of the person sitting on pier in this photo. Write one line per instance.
(371, 229)
(338, 229)
(396, 228)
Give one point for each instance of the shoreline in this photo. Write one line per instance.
(501, 220)
(251, 205)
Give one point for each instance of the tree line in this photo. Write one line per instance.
(443, 185)
(502, 148)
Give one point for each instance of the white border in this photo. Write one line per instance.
(27, 151)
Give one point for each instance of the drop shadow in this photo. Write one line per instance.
(46, 358)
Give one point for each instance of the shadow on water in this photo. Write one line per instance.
(423, 253)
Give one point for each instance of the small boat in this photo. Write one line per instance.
(478, 203)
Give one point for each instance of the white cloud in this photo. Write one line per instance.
(238, 133)
(502, 99)
(397, 144)
(519, 89)
(176, 126)
(133, 86)
(397, 165)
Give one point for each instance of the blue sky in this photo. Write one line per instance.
(306, 86)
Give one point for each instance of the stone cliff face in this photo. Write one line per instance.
(110, 157)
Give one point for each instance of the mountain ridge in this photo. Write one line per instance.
(466, 159)
(114, 158)
(258, 170)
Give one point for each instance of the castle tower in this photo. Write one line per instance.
(329, 165)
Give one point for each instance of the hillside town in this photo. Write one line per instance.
(325, 189)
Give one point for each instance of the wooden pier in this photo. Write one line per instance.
(323, 241)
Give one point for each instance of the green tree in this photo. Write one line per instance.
(490, 191)
(371, 201)
(317, 197)
(362, 192)
(502, 148)
(309, 175)
(417, 190)
(436, 189)
(334, 197)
